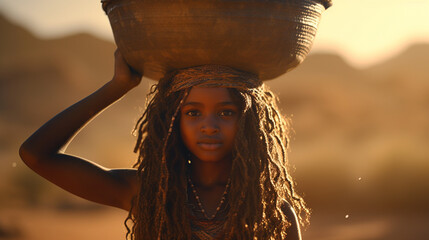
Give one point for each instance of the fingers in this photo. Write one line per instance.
(124, 74)
(121, 62)
(119, 57)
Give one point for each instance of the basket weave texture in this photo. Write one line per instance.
(265, 37)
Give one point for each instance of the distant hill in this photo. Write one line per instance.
(413, 61)
(66, 68)
(39, 78)
(15, 38)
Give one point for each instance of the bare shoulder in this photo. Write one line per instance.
(293, 231)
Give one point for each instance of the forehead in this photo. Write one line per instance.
(209, 94)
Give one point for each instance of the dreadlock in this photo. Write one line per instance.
(260, 181)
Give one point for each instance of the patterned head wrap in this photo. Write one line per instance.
(213, 76)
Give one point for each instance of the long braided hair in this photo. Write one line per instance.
(260, 180)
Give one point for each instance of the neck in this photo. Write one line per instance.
(210, 174)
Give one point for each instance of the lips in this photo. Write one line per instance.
(210, 144)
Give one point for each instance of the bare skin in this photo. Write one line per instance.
(208, 125)
(42, 151)
(211, 161)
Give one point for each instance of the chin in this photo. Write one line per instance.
(212, 158)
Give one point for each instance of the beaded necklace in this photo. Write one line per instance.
(200, 205)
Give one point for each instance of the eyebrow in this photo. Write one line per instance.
(200, 104)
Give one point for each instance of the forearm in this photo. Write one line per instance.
(58, 131)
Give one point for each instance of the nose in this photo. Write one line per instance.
(210, 125)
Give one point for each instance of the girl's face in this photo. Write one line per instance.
(209, 122)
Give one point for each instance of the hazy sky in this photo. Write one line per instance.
(363, 31)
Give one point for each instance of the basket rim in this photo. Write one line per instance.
(326, 3)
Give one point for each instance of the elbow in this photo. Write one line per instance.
(29, 156)
(37, 154)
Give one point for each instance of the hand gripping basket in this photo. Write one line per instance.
(265, 37)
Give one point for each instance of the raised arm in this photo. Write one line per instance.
(42, 150)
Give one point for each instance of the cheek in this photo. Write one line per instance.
(186, 131)
(183, 131)
(231, 130)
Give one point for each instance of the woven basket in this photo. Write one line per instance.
(265, 37)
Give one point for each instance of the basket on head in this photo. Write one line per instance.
(265, 37)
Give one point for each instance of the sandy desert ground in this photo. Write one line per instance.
(107, 224)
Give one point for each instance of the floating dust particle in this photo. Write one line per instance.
(14, 164)
(347, 216)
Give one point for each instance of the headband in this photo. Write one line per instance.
(213, 76)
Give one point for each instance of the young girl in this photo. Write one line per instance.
(212, 158)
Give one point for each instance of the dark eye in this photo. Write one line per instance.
(226, 113)
(193, 113)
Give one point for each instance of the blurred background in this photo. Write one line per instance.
(359, 107)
